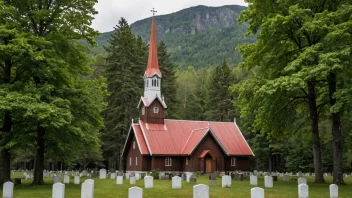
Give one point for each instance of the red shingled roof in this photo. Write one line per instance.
(153, 65)
(140, 139)
(180, 137)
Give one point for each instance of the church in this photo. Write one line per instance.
(179, 145)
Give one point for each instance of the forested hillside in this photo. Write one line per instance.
(200, 36)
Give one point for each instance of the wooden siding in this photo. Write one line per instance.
(150, 116)
(242, 163)
(133, 153)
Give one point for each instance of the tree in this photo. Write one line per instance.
(126, 61)
(168, 85)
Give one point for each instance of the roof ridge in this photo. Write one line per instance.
(199, 121)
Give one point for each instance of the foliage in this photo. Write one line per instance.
(155, 173)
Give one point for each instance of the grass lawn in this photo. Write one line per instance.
(162, 188)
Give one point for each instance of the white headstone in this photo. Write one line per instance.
(257, 192)
(268, 181)
(58, 190)
(7, 190)
(303, 191)
(286, 178)
(66, 179)
(253, 180)
(176, 182)
(77, 179)
(226, 181)
(56, 179)
(127, 175)
(334, 191)
(137, 175)
(87, 189)
(135, 192)
(148, 181)
(132, 180)
(102, 174)
(302, 180)
(119, 180)
(188, 177)
(113, 176)
(201, 191)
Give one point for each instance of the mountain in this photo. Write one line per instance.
(200, 36)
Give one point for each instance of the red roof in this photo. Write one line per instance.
(146, 102)
(204, 153)
(180, 137)
(153, 65)
(140, 139)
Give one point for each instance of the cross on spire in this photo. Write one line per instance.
(153, 11)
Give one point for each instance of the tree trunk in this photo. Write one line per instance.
(5, 155)
(39, 162)
(336, 133)
(313, 111)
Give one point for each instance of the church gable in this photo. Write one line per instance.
(154, 113)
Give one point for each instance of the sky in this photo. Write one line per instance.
(110, 11)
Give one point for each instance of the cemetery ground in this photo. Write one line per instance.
(106, 188)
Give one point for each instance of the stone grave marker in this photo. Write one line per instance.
(253, 180)
(286, 178)
(102, 174)
(77, 179)
(56, 179)
(148, 181)
(127, 175)
(334, 191)
(113, 176)
(58, 190)
(268, 181)
(188, 177)
(176, 182)
(226, 181)
(119, 180)
(201, 191)
(137, 176)
(7, 190)
(257, 192)
(66, 179)
(212, 179)
(135, 192)
(302, 180)
(87, 189)
(303, 191)
(132, 180)
(193, 178)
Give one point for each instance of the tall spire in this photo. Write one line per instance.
(153, 65)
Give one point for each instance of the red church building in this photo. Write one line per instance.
(179, 145)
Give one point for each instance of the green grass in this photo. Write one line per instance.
(162, 188)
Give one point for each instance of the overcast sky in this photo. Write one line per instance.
(110, 11)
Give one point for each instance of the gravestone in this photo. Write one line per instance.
(303, 191)
(176, 182)
(119, 180)
(253, 180)
(119, 173)
(58, 190)
(201, 191)
(113, 176)
(286, 178)
(84, 173)
(7, 190)
(148, 182)
(127, 175)
(87, 189)
(135, 192)
(188, 177)
(212, 179)
(257, 192)
(77, 179)
(268, 181)
(226, 181)
(102, 174)
(56, 179)
(240, 176)
(255, 172)
(66, 179)
(91, 181)
(302, 180)
(193, 179)
(132, 180)
(334, 191)
(137, 176)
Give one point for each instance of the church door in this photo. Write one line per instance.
(208, 165)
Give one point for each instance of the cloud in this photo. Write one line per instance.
(110, 11)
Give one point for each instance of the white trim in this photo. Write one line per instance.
(198, 121)
(124, 147)
(201, 139)
(134, 144)
(217, 140)
(170, 161)
(244, 139)
(194, 130)
(136, 161)
(130, 161)
(145, 138)
(147, 126)
(165, 128)
(139, 146)
(234, 160)
(150, 102)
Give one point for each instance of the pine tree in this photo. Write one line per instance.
(125, 59)
(168, 85)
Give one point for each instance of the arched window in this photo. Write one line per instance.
(134, 144)
(156, 110)
(233, 161)
(143, 110)
(157, 83)
(168, 161)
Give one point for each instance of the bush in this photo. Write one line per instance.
(155, 173)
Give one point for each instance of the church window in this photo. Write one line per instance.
(134, 144)
(168, 161)
(156, 110)
(136, 161)
(233, 161)
(146, 83)
(143, 110)
(157, 83)
(186, 161)
(130, 161)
